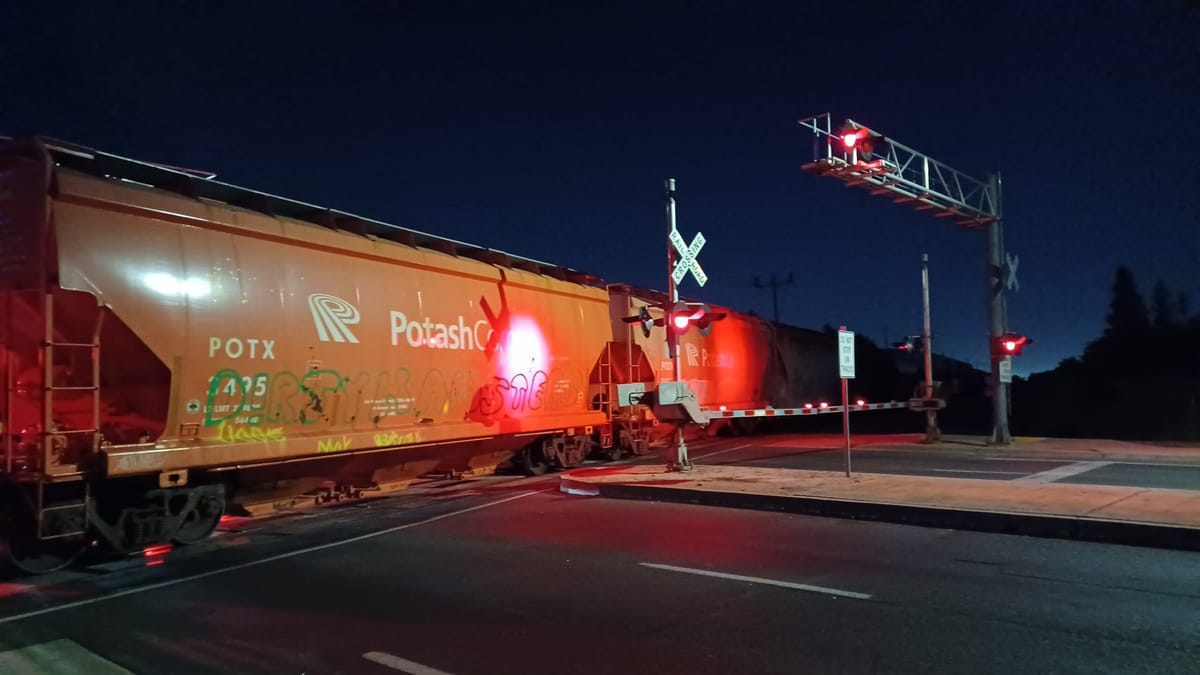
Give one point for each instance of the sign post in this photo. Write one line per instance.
(846, 371)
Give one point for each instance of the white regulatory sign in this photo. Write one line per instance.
(1006, 370)
(846, 354)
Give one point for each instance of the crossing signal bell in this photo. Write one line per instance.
(1010, 344)
(646, 320)
(643, 317)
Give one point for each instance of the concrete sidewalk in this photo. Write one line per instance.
(1126, 515)
(1082, 448)
(1068, 449)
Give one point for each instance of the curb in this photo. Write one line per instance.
(1151, 535)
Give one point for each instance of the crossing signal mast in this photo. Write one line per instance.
(678, 317)
(863, 157)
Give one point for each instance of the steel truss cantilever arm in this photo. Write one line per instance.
(909, 177)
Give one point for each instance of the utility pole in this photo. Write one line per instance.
(774, 285)
(932, 433)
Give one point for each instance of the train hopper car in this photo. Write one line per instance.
(169, 339)
(802, 368)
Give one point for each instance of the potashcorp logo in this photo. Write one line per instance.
(456, 335)
(333, 317)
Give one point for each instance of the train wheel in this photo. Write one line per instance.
(202, 519)
(531, 461)
(20, 548)
(30, 556)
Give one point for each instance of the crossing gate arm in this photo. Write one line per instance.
(808, 410)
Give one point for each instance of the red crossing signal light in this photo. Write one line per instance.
(1010, 344)
(849, 140)
(681, 321)
(856, 138)
(684, 315)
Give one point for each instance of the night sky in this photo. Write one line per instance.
(546, 129)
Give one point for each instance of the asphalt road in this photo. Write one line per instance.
(509, 575)
(800, 452)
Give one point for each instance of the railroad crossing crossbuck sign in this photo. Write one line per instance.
(1011, 272)
(687, 258)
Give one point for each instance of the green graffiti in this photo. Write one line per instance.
(231, 394)
(328, 397)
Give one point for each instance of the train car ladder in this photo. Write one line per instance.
(606, 381)
(56, 441)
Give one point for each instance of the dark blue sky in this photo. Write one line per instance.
(546, 129)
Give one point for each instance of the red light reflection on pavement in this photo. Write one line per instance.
(8, 590)
(669, 532)
(156, 555)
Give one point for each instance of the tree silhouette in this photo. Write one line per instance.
(1163, 306)
(1136, 361)
(1127, 318)
(1127, 343)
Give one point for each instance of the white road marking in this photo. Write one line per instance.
(719, 452)
(1113, 461)
(760, 580)
(1061, 472)
(403, 665)
(1025, 459)
(580, 492)
(253, 563)
(57, 656)
(1007, 473)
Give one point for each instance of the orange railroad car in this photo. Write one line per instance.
(168, 338)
